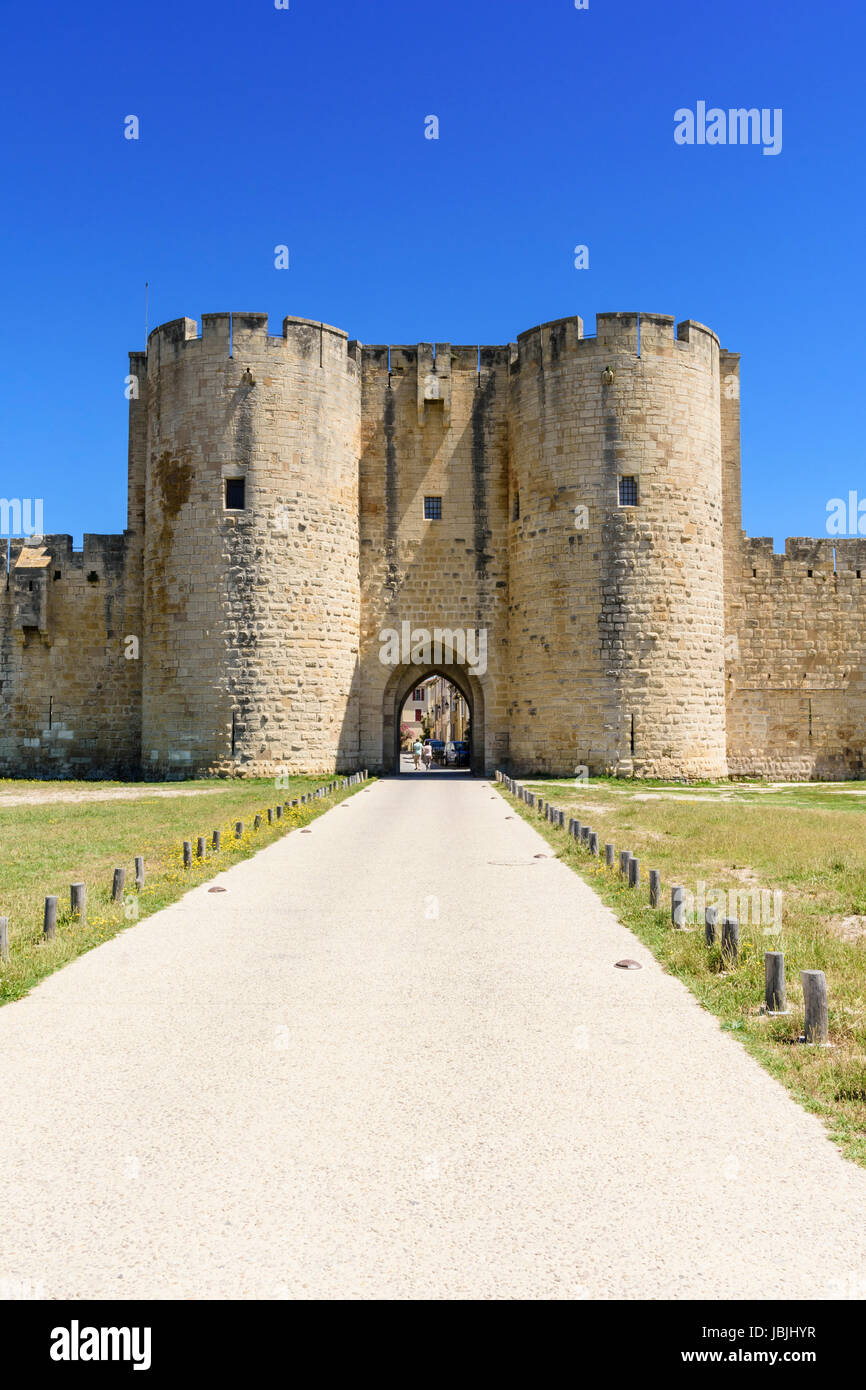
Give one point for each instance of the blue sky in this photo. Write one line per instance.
(306, 127)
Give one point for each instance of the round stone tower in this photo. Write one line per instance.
(251, 588)
(616, 622)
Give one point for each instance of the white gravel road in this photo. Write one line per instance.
(394, 1060)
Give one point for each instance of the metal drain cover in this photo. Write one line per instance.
(628, 965)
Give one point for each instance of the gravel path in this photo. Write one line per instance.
(394, 1060)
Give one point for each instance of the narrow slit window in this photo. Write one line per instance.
(236, 494)
(432, 508)
(515, 514)
(628, 492)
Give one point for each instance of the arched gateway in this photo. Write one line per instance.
(405, 678)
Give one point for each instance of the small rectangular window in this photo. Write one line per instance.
(432, 508)
(236, 489)
(628, 492)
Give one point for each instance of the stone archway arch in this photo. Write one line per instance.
(403, 679)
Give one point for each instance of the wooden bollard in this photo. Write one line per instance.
(609, 856)
(624, 857)
(200, 849)
(4, 938)
(775, 997)
(593, 843)
(584, 834)
(633, 873)
(270, 815)
(187, 854)
(215, 841)
(139, 869)
(711, 921)
(257, 822)
(562, 818)
(279, 811)
(816, 1026)
(116, 886)
(678, 907)
(239, 829)
(49, 919)
(730, 939)
(78, 901)
(655, 887)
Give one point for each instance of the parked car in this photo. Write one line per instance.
(457, 753)
(438, 746)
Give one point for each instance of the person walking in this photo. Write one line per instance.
(417, 750)
(427, 755)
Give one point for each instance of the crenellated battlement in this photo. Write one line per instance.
(443, 358)
(630, 333)
(105, 552)
(805, 557)
(234, 335)
(635, 335)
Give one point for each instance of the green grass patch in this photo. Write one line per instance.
(45, 845)
(805, 842)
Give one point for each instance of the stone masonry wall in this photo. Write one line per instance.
(797, 638)
(70, 685)
(433, 428)
(617, 617)
(653, 639)
(251, 617)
